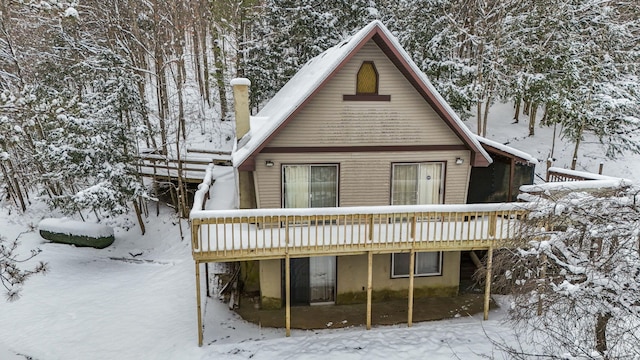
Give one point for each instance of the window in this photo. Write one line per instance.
(307, 186)
(417, 184)
(366, 85)
(367, 82)
(426, 264)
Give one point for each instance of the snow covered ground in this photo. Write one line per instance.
(136, 299)
(501, 129)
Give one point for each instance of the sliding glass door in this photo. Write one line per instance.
(313, 280)
(417, 183)
(307, 186)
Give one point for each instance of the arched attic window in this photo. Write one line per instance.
(367, 81)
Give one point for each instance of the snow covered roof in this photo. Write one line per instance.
(523, 156)
(319, 70)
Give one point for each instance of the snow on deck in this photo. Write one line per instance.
(274, 232)
(229, 237)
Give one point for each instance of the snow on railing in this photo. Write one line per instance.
(557, 174)
(267, 233)
(569, 186)
(202, 194)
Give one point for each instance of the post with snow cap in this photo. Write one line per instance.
(241, 105)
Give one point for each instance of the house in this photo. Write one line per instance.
(358, 144)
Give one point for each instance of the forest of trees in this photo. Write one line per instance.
(84, 85)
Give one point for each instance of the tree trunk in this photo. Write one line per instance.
(162, 98)
(161, 87)
(486, 116)
(553, 141)
(205, 63)
(575, 149)
(181, 119)
(479, 115)
(139, 216)
(240, 44)
(532, 118)
(217, 58)
(196, 58)
(516, 116)
(601, 334)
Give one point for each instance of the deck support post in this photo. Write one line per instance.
(198, 303)
(206, 279)
(369, 287)
(412, 261)
(487, 283)
(287, 294)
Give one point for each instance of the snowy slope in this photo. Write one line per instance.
(501, 129)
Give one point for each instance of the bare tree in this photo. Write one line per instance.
(12, 277)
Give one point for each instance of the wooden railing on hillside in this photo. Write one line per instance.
(555, 174)
(193, 165)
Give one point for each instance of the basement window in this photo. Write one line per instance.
(426, 264)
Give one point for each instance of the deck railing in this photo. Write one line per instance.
(556, 174)
(227, 235)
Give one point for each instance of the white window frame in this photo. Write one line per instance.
(415, 268)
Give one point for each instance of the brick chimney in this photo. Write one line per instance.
(241, 105)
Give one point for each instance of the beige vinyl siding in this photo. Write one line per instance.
(352, 277)
(364, 177)
(327, 120)
(352, 273)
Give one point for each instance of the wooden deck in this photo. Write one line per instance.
(256, 234)
(239, 235)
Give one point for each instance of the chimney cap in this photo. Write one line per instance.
(240, 81)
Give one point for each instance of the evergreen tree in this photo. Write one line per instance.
(69, 130)
(287, 33)
(596, 70)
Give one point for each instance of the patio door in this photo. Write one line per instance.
(307, 186)
(417, 184)
(313, 280)
(322, 279)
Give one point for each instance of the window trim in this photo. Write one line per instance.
(415, 268)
